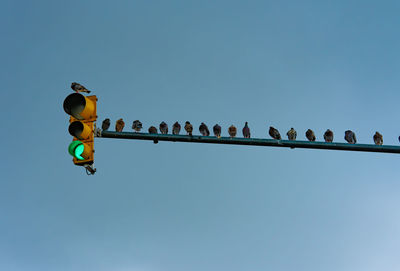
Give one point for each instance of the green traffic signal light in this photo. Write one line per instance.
(76, 149)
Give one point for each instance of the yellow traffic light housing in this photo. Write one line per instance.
(83, 112)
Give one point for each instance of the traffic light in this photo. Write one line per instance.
(83, 112)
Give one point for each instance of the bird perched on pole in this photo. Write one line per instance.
(328, 136)
(137, 125)
(291, 134)
(176, 128)
(79, 88)
(153, 130)
(310, 135)
(378, 138)
(350, 137)
(217, 130)
(188, 128)
(119, 125)
(204, 129)
(246, 130)
(232, 131)
(105, 125)
(163, 128)
(274, 133)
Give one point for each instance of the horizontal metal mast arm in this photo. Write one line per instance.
(253, 142)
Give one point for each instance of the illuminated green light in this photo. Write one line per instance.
(76, 149)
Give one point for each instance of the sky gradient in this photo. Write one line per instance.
(181, 206)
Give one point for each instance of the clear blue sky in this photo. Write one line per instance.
(179, 206)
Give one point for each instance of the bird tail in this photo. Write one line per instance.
(87, 91)
(155, 141)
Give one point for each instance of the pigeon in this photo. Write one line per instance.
(310, 135)
(291, 134)
(274, 133)
(79, 88)
(164, 128)
(204, 129)
(119, 125)
(328, 136)
(188, 128)
(176, 128)
(232, 131)
(105, 125)
(378, 138)
(350, 137)
(137, 125)
(217, 130)
(246, 131)
(153, 130)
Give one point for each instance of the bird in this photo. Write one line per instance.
(232, 131)
(79, 88)
(105, 125)
(188, 128)
(153, 130)
(217, 130)
(328, 136)
(378, 138)
(310, 135)
(274, 133)
(350, 137)
(119, 125)
(246, 131)
(137, 125)
(204, 129)
(163, 128)
(176, 128)
(291, 134)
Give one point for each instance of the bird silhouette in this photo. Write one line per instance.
(328, 136)
(217, 130)
(378, 138)
(291, 134)
(79, 88)
(105, 125)
(188, 128)
(153, 130)
(274, 133)
(246, 130)
(204, 129)
(163, 128)
(232, 131)
(137, 125)
(119, 125)
(350, 137)
(310, 135)
(176, 128)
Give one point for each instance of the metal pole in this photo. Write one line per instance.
(254, 142)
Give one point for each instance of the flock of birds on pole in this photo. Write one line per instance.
(137, 126)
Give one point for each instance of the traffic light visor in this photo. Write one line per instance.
(80, 130)
(79, 106)
(79, 150)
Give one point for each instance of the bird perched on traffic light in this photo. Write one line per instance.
(153, 130)
(217, 130)
(163, 128)
(310, 135)
(79, 88)
(274, 133)
(350, 137)
(232, 131)
(188, 128)
(204, 129)
(105, 125)
(378, 138)
(328, 136)
(291, 134)
(246, 130)
(137, 125)
(119, 125)
(176, 128)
